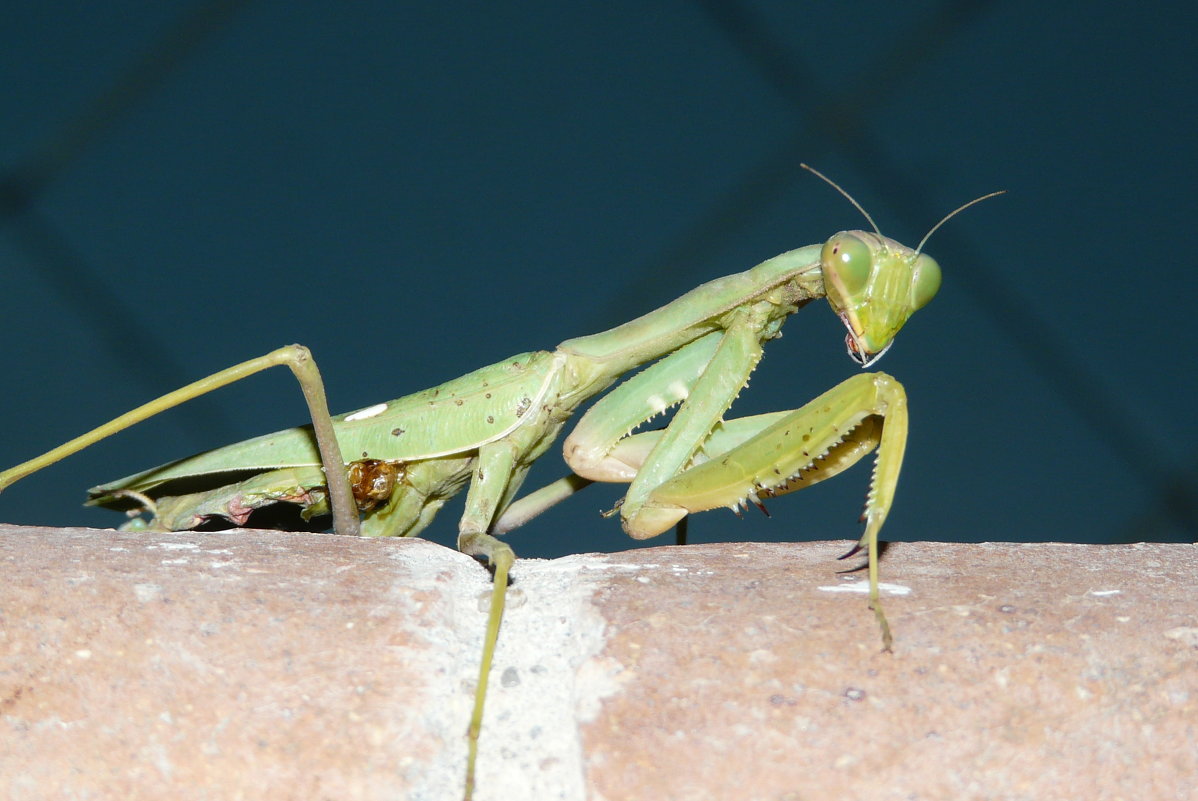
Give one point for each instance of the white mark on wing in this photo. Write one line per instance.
(367, 413)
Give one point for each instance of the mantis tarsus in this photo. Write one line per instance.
(385, 470)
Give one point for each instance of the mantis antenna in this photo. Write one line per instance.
(874, 225)
(954, 213)
(857, 205)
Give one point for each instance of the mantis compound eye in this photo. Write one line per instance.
(926, 281)
(847, 263)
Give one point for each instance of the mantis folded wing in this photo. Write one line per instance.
(386, 470)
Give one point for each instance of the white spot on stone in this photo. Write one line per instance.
(367, 413)
(1104, 593)
(863, 588)
(762, 656)
(1186, 635)
(147, 592)
(622, 567)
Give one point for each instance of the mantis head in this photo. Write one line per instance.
(874, 285)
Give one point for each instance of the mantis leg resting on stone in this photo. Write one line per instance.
(386, 470)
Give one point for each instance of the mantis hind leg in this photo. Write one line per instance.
(299, 360)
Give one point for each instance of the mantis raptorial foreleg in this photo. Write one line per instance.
(771, 461)
(752, 459)
(713, 392)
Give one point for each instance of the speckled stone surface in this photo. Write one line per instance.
(1018, 672)
(261, 665)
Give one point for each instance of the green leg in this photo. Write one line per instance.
(875, 602)
(534, 503)
(726, 372)
(501, 559)
(492, 473)
(299, 360)
(798, 449)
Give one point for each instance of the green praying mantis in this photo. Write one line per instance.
(387, 469)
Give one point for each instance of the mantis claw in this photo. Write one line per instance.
(856, 549)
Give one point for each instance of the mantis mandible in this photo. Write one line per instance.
(387, 469)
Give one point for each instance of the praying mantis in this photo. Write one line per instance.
(385, 470)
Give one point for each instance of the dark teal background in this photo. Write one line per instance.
(414, 190)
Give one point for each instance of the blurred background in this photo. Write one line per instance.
(416, 190)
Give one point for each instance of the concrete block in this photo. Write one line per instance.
(264, 665)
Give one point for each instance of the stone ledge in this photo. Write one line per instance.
(262, 665)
